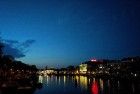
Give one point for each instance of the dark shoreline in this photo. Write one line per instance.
(19, 86)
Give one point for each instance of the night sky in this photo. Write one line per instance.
(59, 33)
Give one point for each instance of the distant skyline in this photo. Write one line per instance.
(59, 33)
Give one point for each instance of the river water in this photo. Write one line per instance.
(86, 85)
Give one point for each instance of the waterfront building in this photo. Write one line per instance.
(83, 68)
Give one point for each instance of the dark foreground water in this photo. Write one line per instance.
(86, 85)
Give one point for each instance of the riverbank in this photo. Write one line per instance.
(19, 86)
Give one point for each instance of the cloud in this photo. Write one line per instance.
(11, 42)
(15, 48)
(27, 43)
(15, 52)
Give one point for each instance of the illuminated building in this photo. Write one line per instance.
(83, 68)
(92, 67)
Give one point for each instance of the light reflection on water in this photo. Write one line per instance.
(95, 87)
(85, 85)
(40, 79)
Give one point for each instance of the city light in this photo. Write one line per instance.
(93, 60)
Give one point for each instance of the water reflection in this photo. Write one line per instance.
(40, 79)
(101, 86)
(86, 85)
(83, 82)
(64, 80)
(94, 87)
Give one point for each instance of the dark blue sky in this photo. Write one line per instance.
(67, 32)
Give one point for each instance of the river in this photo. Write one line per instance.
(86, 85)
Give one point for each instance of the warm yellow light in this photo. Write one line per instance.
(83, 68)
